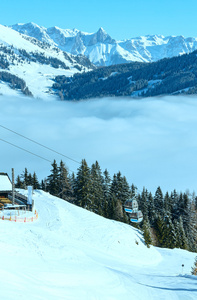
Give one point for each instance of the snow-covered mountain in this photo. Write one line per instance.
(102, 50)
(29, 65)
(71, 253)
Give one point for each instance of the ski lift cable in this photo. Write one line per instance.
(35, 142)
(25, 150)
(39, 156)
(30, 152)
(48, 148)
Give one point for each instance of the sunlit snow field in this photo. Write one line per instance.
(152, 141)
(70, 253)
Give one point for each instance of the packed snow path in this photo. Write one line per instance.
(70, 253)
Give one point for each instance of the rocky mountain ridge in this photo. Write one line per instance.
(103, 50)
(30, 66)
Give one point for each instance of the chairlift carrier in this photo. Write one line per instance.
(131, 208)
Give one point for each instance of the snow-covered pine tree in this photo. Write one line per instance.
(133, 190)
(182, 241)
(106, 184)
(146, 232)
(159, 229)
(119, 214)
(159, 201)
(168, 205)
(151, 209)
(120, 187)
(169, 240)
(120, 191)
(175, 203)
(143, 203)
(111, 207)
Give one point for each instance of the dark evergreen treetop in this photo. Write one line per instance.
(167, 76)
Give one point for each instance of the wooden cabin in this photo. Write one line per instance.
(5, 189)
(6, 200)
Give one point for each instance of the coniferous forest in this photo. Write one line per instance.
(169, 220)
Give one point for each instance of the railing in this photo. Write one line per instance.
(21, 219)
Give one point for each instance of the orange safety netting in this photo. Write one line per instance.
(20, 219)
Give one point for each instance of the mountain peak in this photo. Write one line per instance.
(32, 24)
(101, 49)
(101, 36)
(101, 30)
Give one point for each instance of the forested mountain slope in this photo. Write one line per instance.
(28, 65)
(168, 76)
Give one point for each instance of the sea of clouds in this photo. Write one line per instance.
(153, 142)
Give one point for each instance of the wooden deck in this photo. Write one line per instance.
(20, 200)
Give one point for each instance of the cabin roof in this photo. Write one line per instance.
(5, 182)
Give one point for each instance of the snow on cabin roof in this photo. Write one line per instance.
(5, 183)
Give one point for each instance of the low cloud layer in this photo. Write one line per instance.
(152, 141)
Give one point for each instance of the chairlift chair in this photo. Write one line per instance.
(131, 208)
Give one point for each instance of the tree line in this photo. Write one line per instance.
(168, 220)
(166, 76)
(15, 82)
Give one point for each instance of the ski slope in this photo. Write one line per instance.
(70, 253)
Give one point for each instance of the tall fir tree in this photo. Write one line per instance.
(120, 188)
(97, 189)
(24, 178)
(44, 184)
(106, 184)
(53, 180)
(151, 209)
(19, 183)
(65, 188)
(146, 232)
(182, 241)
(35, 182)
(143, 203)
(168, 205)
(175, 203)
(159, 201)
(169, 240)
(159, 229)
(82, 188)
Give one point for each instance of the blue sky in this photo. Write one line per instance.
(121, 19)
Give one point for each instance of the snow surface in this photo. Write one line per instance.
(39, 78)
(101, 49)
(5, 184)
(70, 253)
